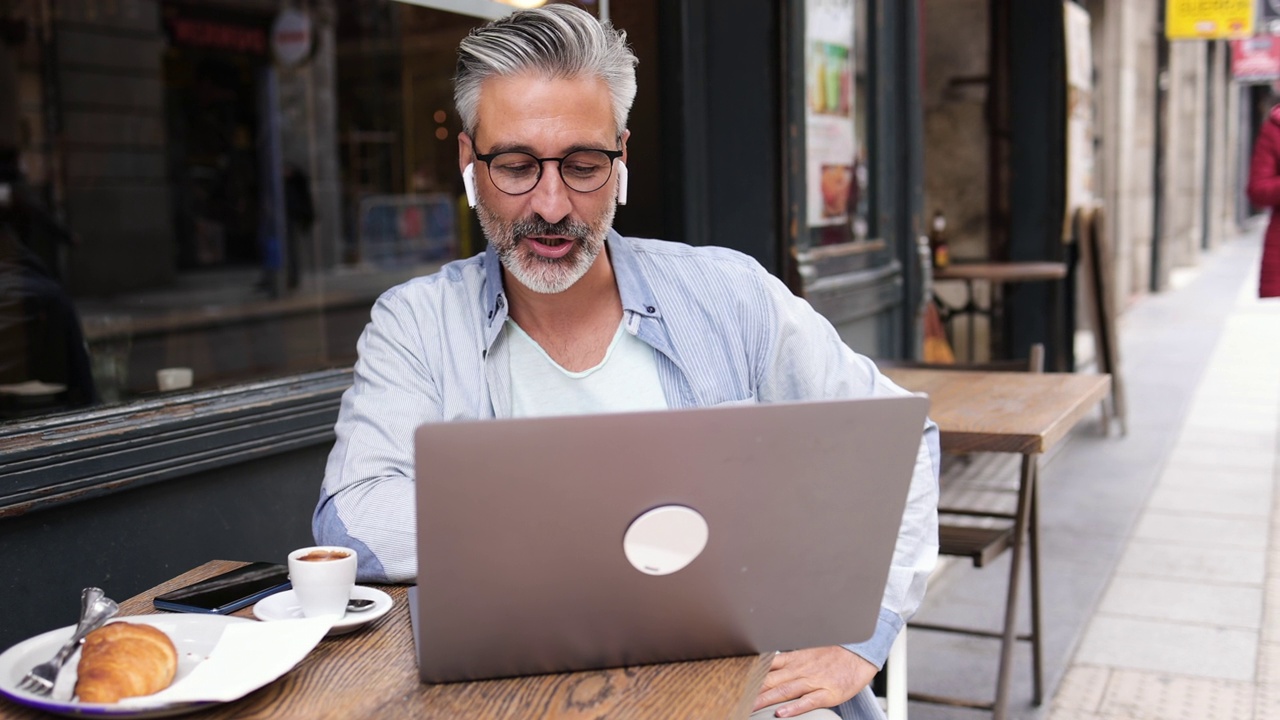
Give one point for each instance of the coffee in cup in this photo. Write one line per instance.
(323, 578)
(324, 555)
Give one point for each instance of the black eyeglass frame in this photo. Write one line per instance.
(486, 158)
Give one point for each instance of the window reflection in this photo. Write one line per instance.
(195, 194)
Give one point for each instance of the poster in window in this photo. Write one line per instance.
(1080, 155)
(831, 146)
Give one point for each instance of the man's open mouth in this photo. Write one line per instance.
(550, 247)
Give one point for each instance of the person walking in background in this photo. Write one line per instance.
(1264, 191)
(300, 217)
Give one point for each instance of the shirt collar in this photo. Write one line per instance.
(636, 295)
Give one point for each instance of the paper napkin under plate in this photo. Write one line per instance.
(247, 656)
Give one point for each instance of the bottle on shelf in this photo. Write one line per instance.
(938, 240)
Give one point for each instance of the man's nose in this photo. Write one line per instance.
(550, 197)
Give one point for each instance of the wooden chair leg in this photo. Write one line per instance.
(1026, 486)
(1037, 638)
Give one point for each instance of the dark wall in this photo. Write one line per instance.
(722, 164)
(646, 213)
(129, 541)
(1038, 167)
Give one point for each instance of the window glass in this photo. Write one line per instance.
(837, 208)
(196, 194)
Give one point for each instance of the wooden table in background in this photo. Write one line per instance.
(997, 275)
(372, 673)
(1012, 412)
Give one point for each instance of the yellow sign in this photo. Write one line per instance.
(1208, 19)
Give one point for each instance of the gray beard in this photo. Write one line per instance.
(542, 275)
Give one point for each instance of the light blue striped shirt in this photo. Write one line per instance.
(725, 331)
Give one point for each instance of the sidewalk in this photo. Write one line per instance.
(1155, 552)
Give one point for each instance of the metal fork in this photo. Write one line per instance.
(95, 609)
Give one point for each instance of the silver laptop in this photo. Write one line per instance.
(593, 541)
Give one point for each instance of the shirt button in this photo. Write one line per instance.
(650, 309)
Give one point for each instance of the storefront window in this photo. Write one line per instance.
(837, 204)
(198, 194)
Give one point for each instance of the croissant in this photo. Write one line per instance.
(122, 660)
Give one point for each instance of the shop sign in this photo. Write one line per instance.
(291, 37)
(212, 32)
(1256, 59)
(1208, 19)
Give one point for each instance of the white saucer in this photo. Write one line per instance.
(285, 606)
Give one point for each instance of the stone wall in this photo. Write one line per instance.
(955, 126)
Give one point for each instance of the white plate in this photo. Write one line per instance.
(285, 606)
(193, 635)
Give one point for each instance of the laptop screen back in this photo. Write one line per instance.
(521, 566)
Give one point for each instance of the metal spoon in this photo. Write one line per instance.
(360, 604)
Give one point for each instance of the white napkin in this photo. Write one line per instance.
(247, 656)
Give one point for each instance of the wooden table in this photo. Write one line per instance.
(1012, 412)
(372, 673)
(997, 274)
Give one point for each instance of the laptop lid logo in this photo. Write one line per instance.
(665, 539)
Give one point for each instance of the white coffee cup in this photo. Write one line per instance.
(174, 378)
(323, 577)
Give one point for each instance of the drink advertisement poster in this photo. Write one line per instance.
(831, 148)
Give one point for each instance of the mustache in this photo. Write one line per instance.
(537, 226)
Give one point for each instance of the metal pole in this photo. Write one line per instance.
(1206, 188)
(1158, 167)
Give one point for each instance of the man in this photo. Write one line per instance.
(563, 315)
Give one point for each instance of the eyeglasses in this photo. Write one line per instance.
(516, 173)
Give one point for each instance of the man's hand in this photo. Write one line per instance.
(819, 677)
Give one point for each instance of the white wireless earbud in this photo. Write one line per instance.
(469, 183)
(622, 183)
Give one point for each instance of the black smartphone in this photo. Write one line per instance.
(229, 591)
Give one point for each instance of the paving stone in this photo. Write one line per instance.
(1082, 688)
(1164, 696)
(1269, 663)
(1165, 647)
(1220, 565)
(1268, 702)
(1185, 601)
(1255, 503)
(1064, 714)
(1202, 531)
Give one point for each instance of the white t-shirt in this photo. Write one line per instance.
(625, 380)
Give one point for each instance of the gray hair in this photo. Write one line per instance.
(560, 41)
